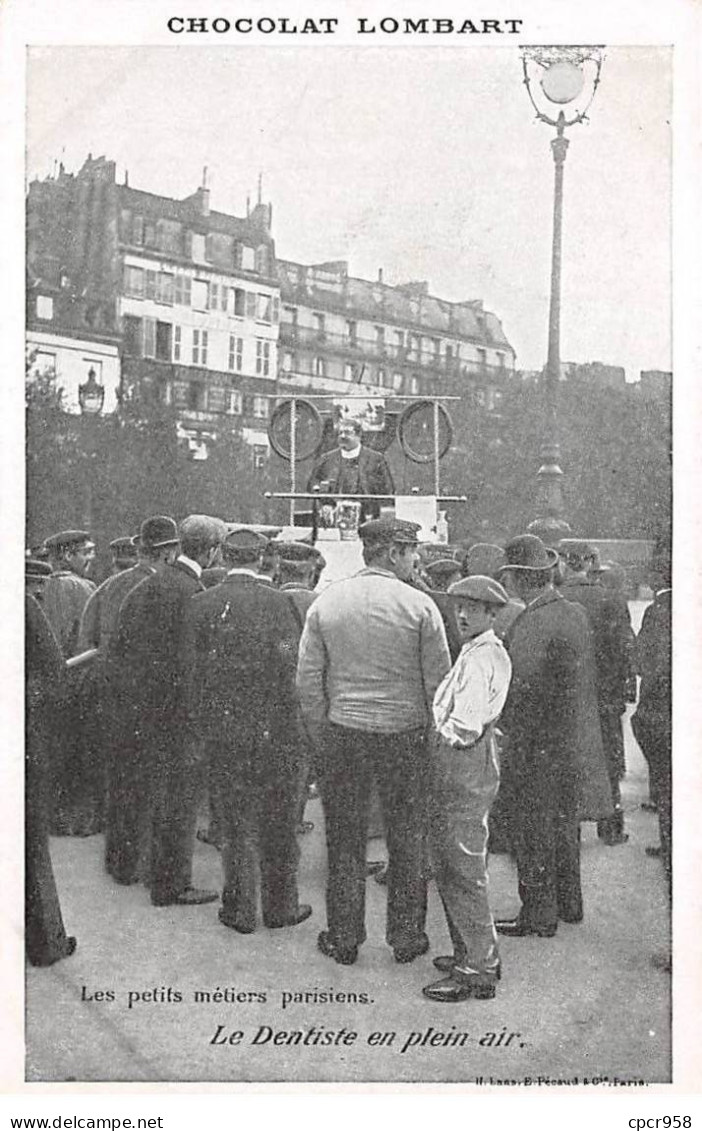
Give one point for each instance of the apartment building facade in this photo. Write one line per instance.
(170, 301)
(342, 333)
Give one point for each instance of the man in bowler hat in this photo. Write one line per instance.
(150, 644)
(372, 654)
(240, 645)
(555, 763)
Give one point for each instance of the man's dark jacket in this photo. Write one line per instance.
(551, 709)
(373, 472)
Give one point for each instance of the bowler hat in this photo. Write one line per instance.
(479, 588)
(527, 551)
(390, 530)
(158, 531)
(483, 558)
(34, 568)
(69, 540)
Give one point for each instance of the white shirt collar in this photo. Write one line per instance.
(354, 454)
(194, 566)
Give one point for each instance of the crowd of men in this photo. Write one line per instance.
(480, 695)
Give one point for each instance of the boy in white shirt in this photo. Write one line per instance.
(465, 779)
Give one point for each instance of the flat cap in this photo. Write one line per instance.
(484, 558)
(296, 551)
(123, 547)
(69, 539)
(245, 539)
(157, 531)
(527, 551)
(390, 530)
(442, 568)
(34, 568)
(478, 588)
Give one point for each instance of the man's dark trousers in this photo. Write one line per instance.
(546, 843)
(257, 807)
(400, 766)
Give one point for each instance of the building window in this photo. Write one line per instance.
(164, 289)
(134, 282)
(250, 304)
(131, 335)
(215, 398)
(260, 407)
(287, 362)
(260, 456)
(263, 357)
(213, 297)
(138, 230)
(150, 287)
(320, 367)
(196, 396)
(236, 354)
(199, 294)
(182, 290)
(449, 356)
(44, 363)
(276, 308)
(350, 371)
(233, 402)
(261, 259)
(45, 307)
(199, 347)
(501, 360)
(163, 341)
(480, 397)
(197, 248)
(352, 333)
(264, 308)
(397, 379)
(177, 342)
(399, 341)
(318, 320)
(482, 357)
(380, 337)
(237, 302)
(383, 377)
(414, 345)
(149, 233)
(414, 386)
(248, 258)
(180, 393)
(149, 337)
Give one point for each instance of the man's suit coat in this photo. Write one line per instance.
(99, 619)
(612, 636)
(373, 472)
(240, 648)
(551, 710)
(147, 653)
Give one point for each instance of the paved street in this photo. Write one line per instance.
(587, 1003)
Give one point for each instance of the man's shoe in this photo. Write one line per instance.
(345, 956)
(455, 989)
(446, 962)
(303, 912)
(517, 928)
(188, 897)
(375, 867)
(232, 923)
(406, 954)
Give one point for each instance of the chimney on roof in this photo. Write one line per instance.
(248, 205)
(260, 189)
(380, 274)
(126, 178)
(204, 194)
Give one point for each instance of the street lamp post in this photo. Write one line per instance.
(91, 398)
(557, 77)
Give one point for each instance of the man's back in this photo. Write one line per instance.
(99, 619)
(240, 643)
(383, 651)
(65, 597)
